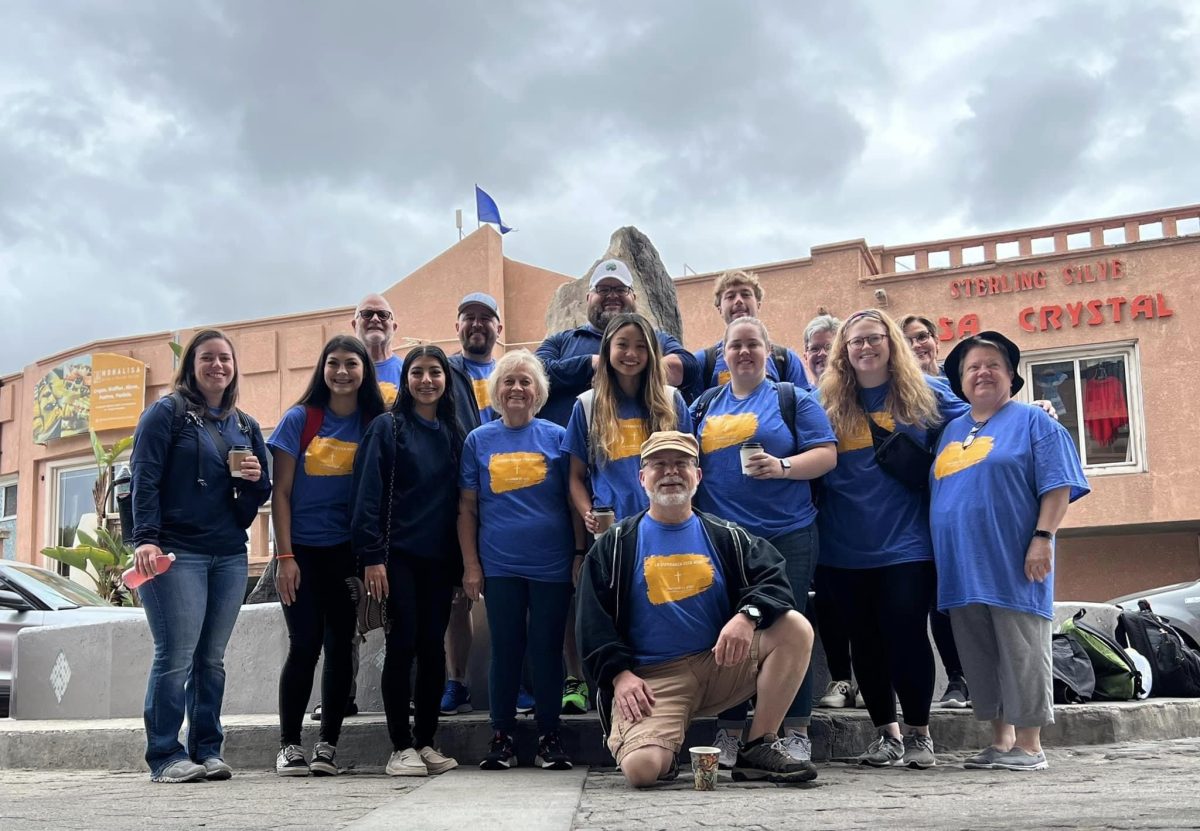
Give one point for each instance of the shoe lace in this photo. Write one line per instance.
(293, 753)
(500, 742)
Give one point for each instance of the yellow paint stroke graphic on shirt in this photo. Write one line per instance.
(513, 471)
(953, 459)
(631, 432)
(862, 437)
(721, 431)
(723, 377)
(329, 457)
(675, 577)
(388, 391)
(481, 392)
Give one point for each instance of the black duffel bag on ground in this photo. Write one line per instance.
(1176, 665)
(1074, 678)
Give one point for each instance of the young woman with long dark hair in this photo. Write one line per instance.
(404, 534)
(313, 448)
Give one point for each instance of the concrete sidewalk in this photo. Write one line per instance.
(251, 741)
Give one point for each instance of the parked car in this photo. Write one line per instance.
(1178, 603)
(32, 596)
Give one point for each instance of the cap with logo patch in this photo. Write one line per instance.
(614, 269)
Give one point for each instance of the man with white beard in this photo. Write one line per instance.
(683, 614)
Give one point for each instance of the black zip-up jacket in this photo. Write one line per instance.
(466, 408)
(754, 574)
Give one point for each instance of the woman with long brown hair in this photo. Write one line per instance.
(198, 480)
(876, 551)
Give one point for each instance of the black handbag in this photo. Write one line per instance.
(900, 456)
(371, 612)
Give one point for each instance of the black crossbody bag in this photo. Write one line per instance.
(901, 457)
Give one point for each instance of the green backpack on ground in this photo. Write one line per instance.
(1117, 679)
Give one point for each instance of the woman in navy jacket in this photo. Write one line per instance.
(187, 500)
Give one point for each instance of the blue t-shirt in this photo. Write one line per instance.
(767, 507)
(794, 367)
(679, 602)
(322, 484)
(520, 475)
(387, 373)
(984, 503)
(480, 373)
(868, 519)
(615, 482)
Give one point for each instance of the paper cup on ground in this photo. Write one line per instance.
(749, 449)
(704, 766)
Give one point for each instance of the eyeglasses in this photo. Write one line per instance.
(859, 343)
(817, 350)
(970, 439)
(662, 465)
(613, 291)
(382, 314)
(924, 337)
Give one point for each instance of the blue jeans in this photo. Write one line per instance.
(526, 615)
(799, 550)
(191, 610)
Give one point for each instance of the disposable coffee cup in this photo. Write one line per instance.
(704, 766)
(604, 516)
(749, 449)
(236, 454)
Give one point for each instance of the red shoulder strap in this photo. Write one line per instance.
(314, 417)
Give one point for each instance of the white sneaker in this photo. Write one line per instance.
(837, 695)
(798, 746)
(406, 762)
(436, 762)
(729, 748)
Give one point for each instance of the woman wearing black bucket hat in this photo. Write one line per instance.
(1003, 477)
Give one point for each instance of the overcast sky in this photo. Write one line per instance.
(165, 164)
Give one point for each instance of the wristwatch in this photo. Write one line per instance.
(786, 465)
(751, 611)
(1046, 535)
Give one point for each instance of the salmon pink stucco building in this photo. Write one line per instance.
(1104, 311)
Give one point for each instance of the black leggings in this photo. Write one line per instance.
(943, 639)
(419, 594)
(886, 609)
(831, 624)
(322, 614)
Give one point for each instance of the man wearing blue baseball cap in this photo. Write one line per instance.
(571, 357)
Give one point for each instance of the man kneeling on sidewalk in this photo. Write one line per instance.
(682, 614)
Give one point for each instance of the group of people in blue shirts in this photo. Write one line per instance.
(441, 476)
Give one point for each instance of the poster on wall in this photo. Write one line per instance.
(99, 392)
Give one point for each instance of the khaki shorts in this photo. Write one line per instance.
(683, 689)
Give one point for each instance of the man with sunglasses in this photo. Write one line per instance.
(683, 614)
(571, 357)
(374, 324)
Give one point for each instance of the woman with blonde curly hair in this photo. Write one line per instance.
(630, 399)
(876, 551)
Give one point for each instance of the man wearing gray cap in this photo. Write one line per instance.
(478, 326)
(683, 614)
(571, 357)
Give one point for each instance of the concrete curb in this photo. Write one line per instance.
(251, 741)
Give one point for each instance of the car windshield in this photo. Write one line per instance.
(55, 591)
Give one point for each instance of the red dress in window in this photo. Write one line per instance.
(1104, 409)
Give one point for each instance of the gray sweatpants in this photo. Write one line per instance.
(1006, 657)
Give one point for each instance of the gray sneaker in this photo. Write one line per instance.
(884, 752)
(185, 770)
(798, 746)
(728, 746)
(766, 759)
(918, 751)
(217, 769)
(324, 760)
(291, 761)
(984, 759)
(1018, 759)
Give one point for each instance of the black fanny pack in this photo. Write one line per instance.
(901, 457)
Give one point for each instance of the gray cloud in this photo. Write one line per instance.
(166, 164)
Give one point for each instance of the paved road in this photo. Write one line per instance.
(1147, 785)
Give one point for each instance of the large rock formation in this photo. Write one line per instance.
(656, 298)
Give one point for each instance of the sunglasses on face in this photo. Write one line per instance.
(382, 314)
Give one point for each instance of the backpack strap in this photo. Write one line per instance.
(783, 360)
(787, 408)
(179, 411)
(588, 399)
(710, 366)
(703, 403)
(314, 417)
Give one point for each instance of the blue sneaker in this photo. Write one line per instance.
(524, 702)
(456, 699)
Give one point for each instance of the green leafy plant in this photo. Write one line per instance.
(105, 556)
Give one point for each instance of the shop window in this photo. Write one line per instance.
(8, 501)
(1097, 393)
(73, 503)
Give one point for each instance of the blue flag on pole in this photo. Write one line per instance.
(486, 210)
